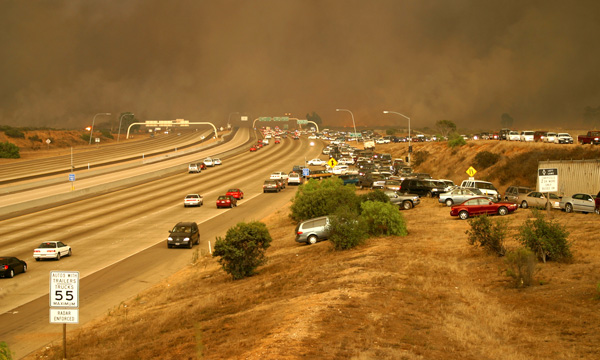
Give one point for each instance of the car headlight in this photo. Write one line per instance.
(186, 239)
(170, 238)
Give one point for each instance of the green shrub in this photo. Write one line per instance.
(390, 131)
(420, 157)
(5, 353)
(521, 266)
(319, 198)
(35, 138)
(374, 195)
(488, 234)
(455, 140)
(383, 219)
(547, 239)
(9, 151)
(106, 133)
(485, 159)
(243, 249)
(14, 133)
(85, 137)
(346, 229)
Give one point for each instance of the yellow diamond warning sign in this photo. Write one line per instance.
(471, 171)
(332, 162)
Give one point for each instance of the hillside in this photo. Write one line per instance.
(428, 295)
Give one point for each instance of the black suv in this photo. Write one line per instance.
(184, 234)
(421, 187)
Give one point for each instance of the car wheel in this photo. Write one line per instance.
(70, 252)
(569, 208)
(169, 246)
(597, 211)
(502, 211)
(11, 274)
(312, 239)
(184, 205)
(24, 268)
(407, 205)
(463, 215)
(190, 244)
(449, 202)
(58, 256)
(429, 194)
(524, 204)
(37, 259)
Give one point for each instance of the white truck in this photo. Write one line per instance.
(369, 144)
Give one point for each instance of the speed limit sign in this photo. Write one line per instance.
(64, 289)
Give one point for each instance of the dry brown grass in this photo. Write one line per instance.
(425, 296)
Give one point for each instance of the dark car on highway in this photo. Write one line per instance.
(226, 201)
(184, 234)
(271, 186)
(10, 266)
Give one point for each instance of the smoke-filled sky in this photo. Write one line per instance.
(467, 61)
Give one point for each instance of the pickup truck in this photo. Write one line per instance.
(319, 174)
(592, 137)
(404, 201)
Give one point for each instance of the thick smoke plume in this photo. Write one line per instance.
(466, 61)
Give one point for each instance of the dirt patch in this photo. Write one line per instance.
(428, 295)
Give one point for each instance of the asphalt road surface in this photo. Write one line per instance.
(119, 238)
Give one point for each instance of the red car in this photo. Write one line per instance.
(226, 201)
(236, 193)
(259, 145)
(253, 149)
(277, 141)
(481, 205)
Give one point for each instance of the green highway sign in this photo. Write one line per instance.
(302, 122)
(264, 118)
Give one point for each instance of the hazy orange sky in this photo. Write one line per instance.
(466, 61)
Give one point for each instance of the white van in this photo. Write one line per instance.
(485, 187)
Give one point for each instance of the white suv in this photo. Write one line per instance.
(485, 187)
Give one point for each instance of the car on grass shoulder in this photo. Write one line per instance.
(404, 201)
(481, 206)
(578, 202)
(236, 193)
(349, 179)
(486, 187)
(536, 199)
(512, 193)
(193, 200)
(193, 168)
(340, 169)
(550, 137)
(51, 250)
(317, 162)
(11, 266)
(226, 201)
(459, 195)
(313, 230)
(184, 234)
(514, 136)
(527, 136)
(563, 138)
(271, 186)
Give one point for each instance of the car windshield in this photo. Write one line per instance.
(181, 229)
(232, 190)
(222, 197)
(48, 246)
(192, 197)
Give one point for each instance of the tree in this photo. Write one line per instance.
(9, 151)
(506, 121)
(243, 249)
(314, 117)
(445, 127)
(346, 229)
(382, 219)
(320, 198)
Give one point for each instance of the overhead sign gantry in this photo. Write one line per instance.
(170, 123)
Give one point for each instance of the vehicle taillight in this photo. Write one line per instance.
(36, 251)
(299, 233)
(5, 267)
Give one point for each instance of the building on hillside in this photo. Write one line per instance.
(575, 176)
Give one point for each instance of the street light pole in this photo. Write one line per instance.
(409, 137)
(353, 123)
(120, 120)
(93, 121)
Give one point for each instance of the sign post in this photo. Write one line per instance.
(547, 183)
(64, 301)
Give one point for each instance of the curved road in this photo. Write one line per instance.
(118, 239)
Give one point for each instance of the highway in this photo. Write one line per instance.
(118, 238)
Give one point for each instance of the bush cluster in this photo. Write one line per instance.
(488, 234)
(107, 134)
(521, 266)
(85, 137)
(455, 140)
(353, 218)
(420, 157)
(547, 239)
(243, 248)
(485, 159)
(35, 138)
(14, 133)
(9, 151)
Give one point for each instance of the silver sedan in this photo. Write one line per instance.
(578, 202)
(459, 195)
